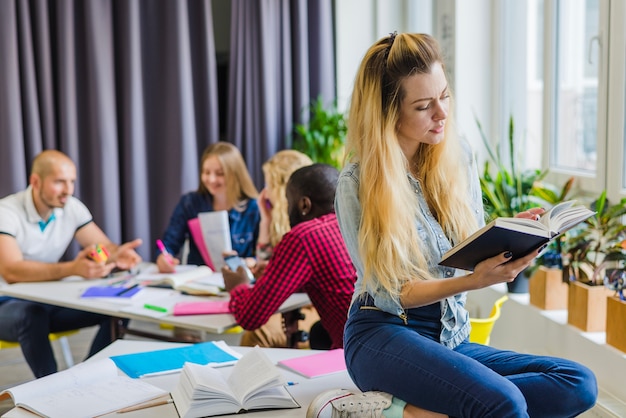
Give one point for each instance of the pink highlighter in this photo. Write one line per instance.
(166, 254)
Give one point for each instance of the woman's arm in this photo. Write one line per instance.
(492, 271)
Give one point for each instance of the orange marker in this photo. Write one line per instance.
(100, 254)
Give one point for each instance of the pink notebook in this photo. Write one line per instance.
(198, 239)
(316, 365)
(201, 308)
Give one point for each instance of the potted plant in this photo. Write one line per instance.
(507, 191)
(592, 254)
(323, 137)
(615, 280)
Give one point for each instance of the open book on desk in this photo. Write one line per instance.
(520, 236)
(254, 383)
(194, 280)
(88, 389)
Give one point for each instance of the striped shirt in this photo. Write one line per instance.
(310, 258)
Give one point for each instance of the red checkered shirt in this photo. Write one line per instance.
(310, 258)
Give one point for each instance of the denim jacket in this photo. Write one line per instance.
(454, 316)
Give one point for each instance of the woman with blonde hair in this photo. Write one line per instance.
(225, 184)
(408, 194)
(273, 200)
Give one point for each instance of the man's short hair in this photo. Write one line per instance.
(317, 181)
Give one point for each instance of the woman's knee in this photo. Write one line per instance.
(585, 393)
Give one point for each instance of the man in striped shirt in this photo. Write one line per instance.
(310, 258)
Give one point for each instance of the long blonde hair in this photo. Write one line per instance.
(239, 184)
(389, 245)
(277, 171)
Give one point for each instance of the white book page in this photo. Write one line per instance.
(86, 390)
(216, 232)
(209, 379)
(253, 373)
(183, 274)
(99, 398)
(81, 374)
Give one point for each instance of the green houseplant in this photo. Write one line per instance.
(323, 137)
(596, 245)
(593, 253)
(507, 190)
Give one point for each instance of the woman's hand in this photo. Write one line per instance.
(500, 269)
(532, 213)
(165, 266)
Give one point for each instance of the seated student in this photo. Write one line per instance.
(225, 184)
(311, 258)
(36, 227)
(273, 200)
(274, 224)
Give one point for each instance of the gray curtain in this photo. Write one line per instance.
(281, 58)
(128, 89)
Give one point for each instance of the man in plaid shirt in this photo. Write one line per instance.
(310, 258)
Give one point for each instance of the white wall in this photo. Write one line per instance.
(462, 27)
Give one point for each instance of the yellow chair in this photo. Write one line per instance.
(61, 337)
(481, 327)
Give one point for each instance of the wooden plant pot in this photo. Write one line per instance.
(547, 289)
(616, 323)
(586, 306)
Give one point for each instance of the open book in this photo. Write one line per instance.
(520, 236)
(88, 389)
(254, 383)
(194, 280)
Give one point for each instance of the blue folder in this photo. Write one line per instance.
(172, 359)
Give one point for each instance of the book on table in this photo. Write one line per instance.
(520, 236)
(89, 389)
(190, 279)
(254, 383)
(318, 364)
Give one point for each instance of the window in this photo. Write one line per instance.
(557, 66)
(567, 113)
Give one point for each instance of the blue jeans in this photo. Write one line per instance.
(472, 380)
(29, 323)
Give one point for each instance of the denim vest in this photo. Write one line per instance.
(454, 317)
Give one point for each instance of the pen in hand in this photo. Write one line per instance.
(166, 254)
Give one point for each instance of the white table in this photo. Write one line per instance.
(304, 391)
(67, 293)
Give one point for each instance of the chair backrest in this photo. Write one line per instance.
(481, 327)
